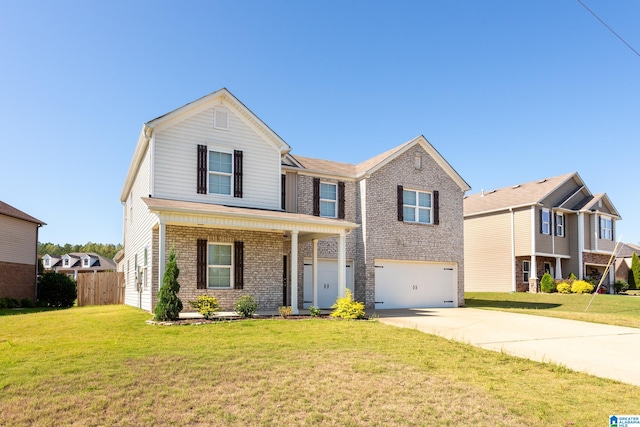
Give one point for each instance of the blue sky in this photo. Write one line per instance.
(508, 91)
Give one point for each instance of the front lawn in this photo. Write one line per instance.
(104, 366)
(621, 310)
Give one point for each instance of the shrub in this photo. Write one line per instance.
(635, 269)
(620, 286)
(285, 311)
(581, 287)
(3, 303)
(27, 303)
(314, 311)
(347, 308)
(169, 305)
(11, 303)
(206, 305)
(546, 284)
(572, 276)
(564, 288)
(57, 290)
(246, 306)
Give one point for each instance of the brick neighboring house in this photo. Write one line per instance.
(78, 262)
(245, 216)
(18, 253)
(515, 234)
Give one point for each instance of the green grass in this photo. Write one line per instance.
(621, 310)
(104, 366)
(14, 311)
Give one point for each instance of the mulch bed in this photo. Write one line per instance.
(202, 321)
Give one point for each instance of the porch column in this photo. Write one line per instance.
(314, 272)
(162, 243)
(294, 271)
(612, 278)
(558, 268)
(342, 264)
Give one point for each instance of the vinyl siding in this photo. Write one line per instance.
(137, 235)
(589, 228)
(562, 245)
(175, 165)
(18, 242)
(572, 265)
(522, 225)
(488, 270)
(561, 193)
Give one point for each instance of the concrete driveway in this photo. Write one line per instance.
(601, 350)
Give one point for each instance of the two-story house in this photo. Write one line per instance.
(18, 253)
(74, 263)
(515, 234)
(245, 216)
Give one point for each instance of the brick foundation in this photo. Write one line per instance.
(17, 280)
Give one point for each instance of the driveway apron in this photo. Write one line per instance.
(602, 350)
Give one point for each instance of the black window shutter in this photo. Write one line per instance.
(599, 220)
(283, 191)
(316, 196)
(555, 224)
(202, 169)
(436, 207)
(238, 267)
(400, 203)
(201, 264)
(341, 200)
(237, 173)
(541, 227)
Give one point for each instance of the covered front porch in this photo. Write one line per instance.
(259, 239)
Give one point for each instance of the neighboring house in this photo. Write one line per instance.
(623, 260)
(18, 253)
(244, 216)
(78, 262)
(513, 235)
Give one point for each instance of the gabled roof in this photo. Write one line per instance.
(221, 94)
(373, 164)
(627, 249)
(530, 193)
(592, 204)
(9, 210)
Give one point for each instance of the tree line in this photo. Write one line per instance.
(107, 250)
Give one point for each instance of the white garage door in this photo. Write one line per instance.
(406, 284)
(327, 282)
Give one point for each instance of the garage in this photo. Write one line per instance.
(414, 284)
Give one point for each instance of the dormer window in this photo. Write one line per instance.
(47, 262)
(85, 262)
(221, 118)
(66, 262)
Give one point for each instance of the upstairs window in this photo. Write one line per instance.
(560, 225)
(328, 200)
(545, 221)
(606, 228)
(416, 206)
(220, 172)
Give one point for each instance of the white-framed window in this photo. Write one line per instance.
(46, 262)
(146, 256)
(220, 266)
(417, 206)
(606, 228)
(328, 200)
(221, 118)
(85, 262)
(220, 172)
(66, 262)
(526, 271)
(545, 221)
(560, 225)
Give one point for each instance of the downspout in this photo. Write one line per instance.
(513, 251)
(580, 243)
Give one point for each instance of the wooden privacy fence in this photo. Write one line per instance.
(100, 288)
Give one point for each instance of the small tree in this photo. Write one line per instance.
(57, 290)
(169, 305)
(635, 271)
(547, 284)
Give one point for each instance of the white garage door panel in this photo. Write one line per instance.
(327, 282)
(414, 284)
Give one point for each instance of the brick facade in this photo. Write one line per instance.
(17, 280)
(263, 265)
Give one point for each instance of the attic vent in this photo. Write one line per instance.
(489, 192)
(516, 186)
(541, 181)
(221, 118)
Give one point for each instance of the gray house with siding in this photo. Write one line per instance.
(18, 253)
(246, 216)
(515, 234)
